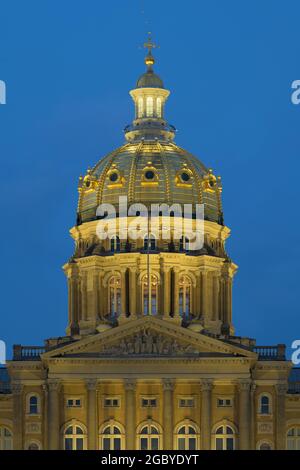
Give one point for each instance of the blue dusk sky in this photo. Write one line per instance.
(68, 67)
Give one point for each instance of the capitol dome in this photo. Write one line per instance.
(150, 168)
(149, 172)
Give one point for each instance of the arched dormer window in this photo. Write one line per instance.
(150, 301)
(6, 438)
(187, 437)
(112, 436)
(140, 107)
(149, 436)
(185, 290)
(115, 244)
(265, 404)
(158, 107)
(114, 287)
(149, 106)
(75, 437)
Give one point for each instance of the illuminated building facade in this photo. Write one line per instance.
(150, 359)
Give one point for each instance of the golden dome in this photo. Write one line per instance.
(149, 172)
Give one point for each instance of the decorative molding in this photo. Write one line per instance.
(206, 385)
(265, 428)
(91, 384)
(33, 428)
(130, 385)
(168, 384)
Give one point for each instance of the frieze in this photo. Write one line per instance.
(148, 342)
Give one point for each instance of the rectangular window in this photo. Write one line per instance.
(181, 443)
(154, 443)
(223, 402)
(149, 402)
(111, 402)
(73, 403)
(186, 403)
(144, 443)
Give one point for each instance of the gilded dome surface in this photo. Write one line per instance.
(149, 172)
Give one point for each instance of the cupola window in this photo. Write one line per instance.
(149, 106)
(149, 175)
(140, 107)
(158, 107)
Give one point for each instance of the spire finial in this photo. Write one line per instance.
(149, 59)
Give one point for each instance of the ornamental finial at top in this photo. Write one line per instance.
(149, 59)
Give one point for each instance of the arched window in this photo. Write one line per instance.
(150, 243)
(74, 438)
(34, 446)
(264, 405)
(224, 438)
(149, 106)
(158, 107)
(293, 438)
(115, 244)
(111, 437)
(115, 296)
(33, 405)
(6, 439)
(149, 437)
(185, 287)
(150, 300)
(184, 244)
(264, 446)
(187, 437)
(140, 107)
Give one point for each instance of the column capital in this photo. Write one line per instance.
(244, 385)
(17, 388)
(130, 384)
(206, 385)
(91, 384)
(54, 385)
(168, 384)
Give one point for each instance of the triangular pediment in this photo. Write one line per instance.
(149, 337)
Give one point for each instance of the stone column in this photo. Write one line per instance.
(84, 313)
(130, 413)
(168, 387)
(166, 294)
(253, 415)
(204, 295)
(215, 309)
(244, 415)
(92, 416)
(281, 390)
(44, 408)
(96, 309)
(53, 415)
(176, 315)
(122, 317)
(132, 292)
(17, 391)
(206, 388)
